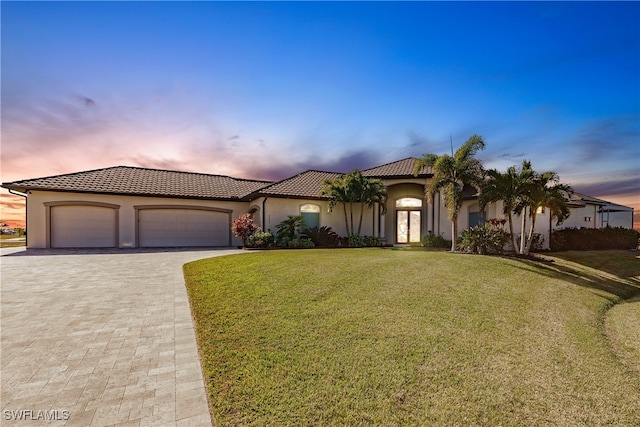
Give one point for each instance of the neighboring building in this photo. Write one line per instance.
(135, 207)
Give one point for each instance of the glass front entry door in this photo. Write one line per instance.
(408, 225)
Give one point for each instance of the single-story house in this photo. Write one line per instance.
(122, 206)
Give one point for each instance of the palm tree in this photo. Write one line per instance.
(370, 191)
(337, 192)
(289, 229)
(510, 187)
(354, 188)
(450, 173)
(544, 190)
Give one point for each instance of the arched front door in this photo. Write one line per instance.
(408, 220)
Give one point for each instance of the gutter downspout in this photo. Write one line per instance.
(264, 214)
(18, 193)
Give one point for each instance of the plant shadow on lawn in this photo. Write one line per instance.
(624, 284)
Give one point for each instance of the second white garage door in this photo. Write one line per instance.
(183, 227)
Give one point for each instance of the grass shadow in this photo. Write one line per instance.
(618, 275)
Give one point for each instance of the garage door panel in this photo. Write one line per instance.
(83, 227)
(182, 227)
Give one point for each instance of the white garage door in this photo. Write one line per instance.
(83, 227)
(182, 227)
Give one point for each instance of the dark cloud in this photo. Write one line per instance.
(88, 102)
(165, 164)
(512, 156)
(624, 186)
(609, 138)
(346, 163)
(11, 202)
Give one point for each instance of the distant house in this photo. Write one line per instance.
(136, 207)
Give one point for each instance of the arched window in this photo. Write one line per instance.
(310, 215)
(409, 202)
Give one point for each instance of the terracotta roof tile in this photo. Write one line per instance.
(146, 182)
(400, 168)
(306, 184)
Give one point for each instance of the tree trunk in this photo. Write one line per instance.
(346, 219)
(514, 242)
(531, 232)
(523, 230)
(361, 213)
(351, 217)
(454, 234)
(550, 226)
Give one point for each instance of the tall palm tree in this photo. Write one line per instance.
(354, 188)
(544, 191)
(510, 187)
(370, 192)
(450, 173)
(337, 191)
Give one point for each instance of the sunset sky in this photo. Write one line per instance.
(266, 90)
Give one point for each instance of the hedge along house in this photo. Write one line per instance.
(135, 207)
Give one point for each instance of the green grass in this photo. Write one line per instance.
(6, 243)
(382, 337)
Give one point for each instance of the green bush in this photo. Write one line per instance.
(483, 239)
(261, 239)
(372, 241)
(586, 239)
(322, 237)
(356, 241)
(434, 241)
(301, 243)
(289, 230)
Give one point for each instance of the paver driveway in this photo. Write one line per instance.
(99, 339)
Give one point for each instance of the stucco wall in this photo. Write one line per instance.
(277, 209)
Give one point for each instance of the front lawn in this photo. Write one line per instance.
(382, 337)
(12, 241)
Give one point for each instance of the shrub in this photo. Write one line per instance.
(483, 239)
(243, 227)
(434, 241)
(261, 239)
(372, 241)
(289, 229)
(356, 241)
(301, 243)
(585, 239)
(322, 237)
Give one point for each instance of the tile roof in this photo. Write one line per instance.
(145, 182)
(581, 199)
(306, 184)
(400, 168)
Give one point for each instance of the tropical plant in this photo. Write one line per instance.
(323, 237)
(354, 188)
(301, 243)
(450, 174)
(431, 240)
(356, 241)
(510, 187)
(372, 241)
(261, 239)
(544, 191)
(483, 239)
(243, 227)
(289, 229)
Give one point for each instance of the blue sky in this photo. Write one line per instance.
(266, 90)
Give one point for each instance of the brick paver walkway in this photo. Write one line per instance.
(93, 338)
